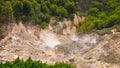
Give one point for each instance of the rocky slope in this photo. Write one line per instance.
(61, 43)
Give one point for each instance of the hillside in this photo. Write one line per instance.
(83, 51)
(82, 33)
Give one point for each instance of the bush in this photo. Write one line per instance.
(117, 27)
(44, 25)
(29, 63)
(61, 12)
(103, 31)
(70, 7)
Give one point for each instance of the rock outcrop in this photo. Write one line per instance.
(84, 51)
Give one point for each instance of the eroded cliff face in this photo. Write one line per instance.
(60, 42)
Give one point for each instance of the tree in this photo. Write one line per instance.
(53, 8)
(6, 11)
(18, 9)
(61, 12)
(70, 6)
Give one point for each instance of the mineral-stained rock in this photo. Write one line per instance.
(83, 51)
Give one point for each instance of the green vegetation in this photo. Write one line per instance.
(36, 11)
(101, 14)
(29, 63)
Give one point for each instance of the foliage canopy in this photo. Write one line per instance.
(36, 11)
(29, 63)
(101, 14)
